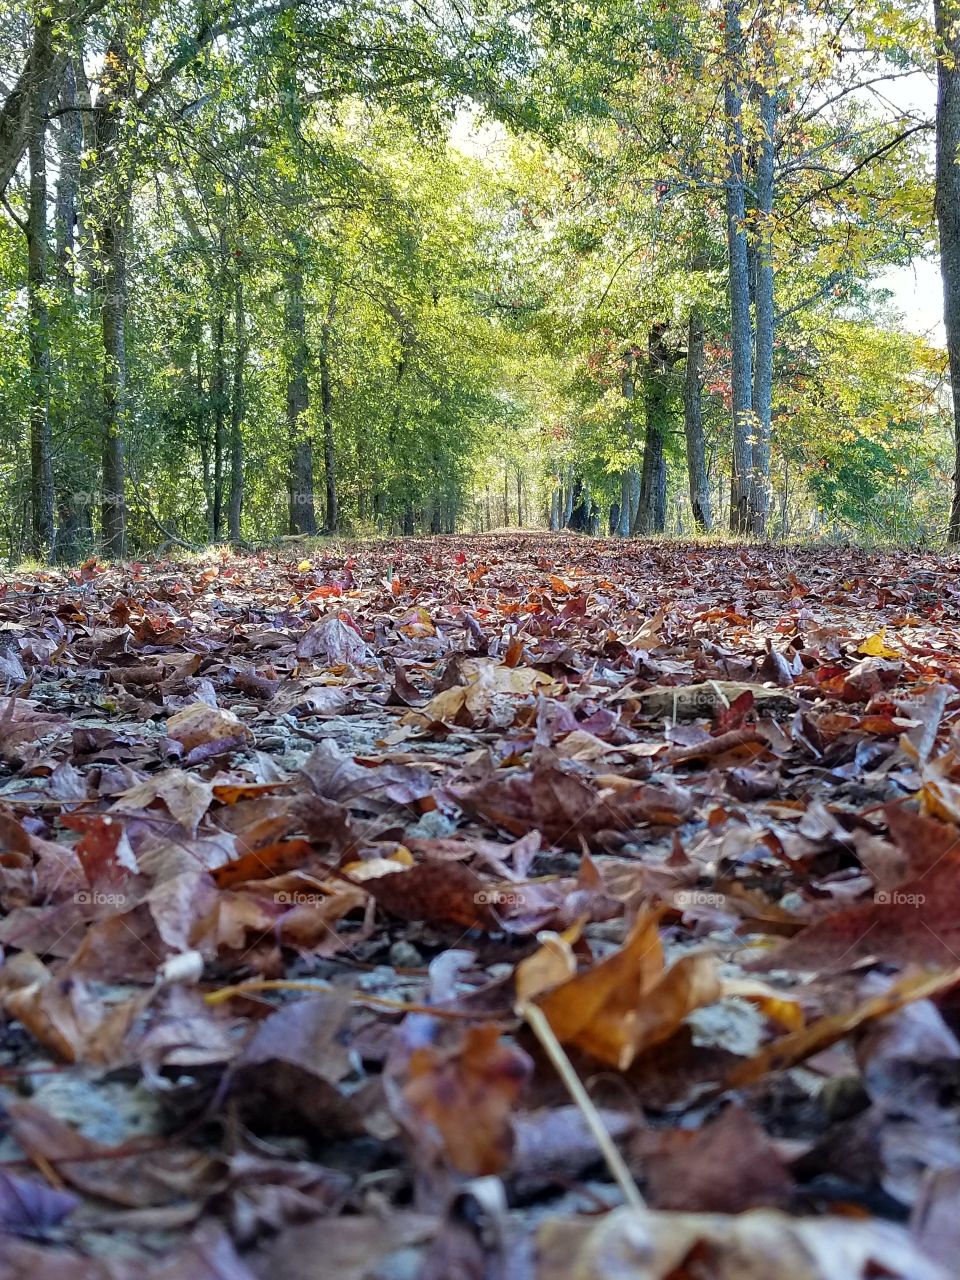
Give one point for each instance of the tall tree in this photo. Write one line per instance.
(947, 17)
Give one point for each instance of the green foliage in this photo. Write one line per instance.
(478, 316)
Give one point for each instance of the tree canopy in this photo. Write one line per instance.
(376, 267)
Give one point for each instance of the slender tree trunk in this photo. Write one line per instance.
(652, 511)
(303, 517)
(568, 499)
(74, 536)
(947, 15)
(113, 189)
(629, 486)
(38, 325)
(739, 275)
(519, 498)
(70, 151)
(765, 317)
(693, 424)
(237, 406)
(113, 308)
(218, 387)
(332, 522)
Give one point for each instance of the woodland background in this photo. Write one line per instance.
(362, 267)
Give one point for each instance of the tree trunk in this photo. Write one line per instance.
(568, 499)
(332, 521)
(218, 388)
(765, 323)
(693, 424)
(38, 325)
(651, 514)
(947, 15)
(44, 65)
(302, 516)
(237, 408)
(113, 335)
(629, 481)
(70, 149)
(739, 275)
(113, 190)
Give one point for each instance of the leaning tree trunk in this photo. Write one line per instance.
(739, 275)
(693, 424)
(43, 66)
(38, 325)
(947, 14)
(303, 517)
(332, 521)
(765, 320)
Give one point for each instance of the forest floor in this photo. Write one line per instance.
(310, 869)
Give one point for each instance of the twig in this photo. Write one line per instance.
(357, 998)
(541, 1028)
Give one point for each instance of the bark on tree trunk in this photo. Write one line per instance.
(652, 510)
(739, 274)
(38, 325)
(43, 66)
(765, 322)
(218, 389)
(113, 188)
(70, 149)
(947, 17)
(302, 516)
(237, 408)
(332, 521)
(693, 424)
(629, 481)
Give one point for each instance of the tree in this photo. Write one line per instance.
(947, 16)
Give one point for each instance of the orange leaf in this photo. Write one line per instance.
(467, 1093)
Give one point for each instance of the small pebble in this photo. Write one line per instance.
(404, 955)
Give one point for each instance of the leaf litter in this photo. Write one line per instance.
(532, 907)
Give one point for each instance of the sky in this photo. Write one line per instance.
(918, 296)
(917, 289)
